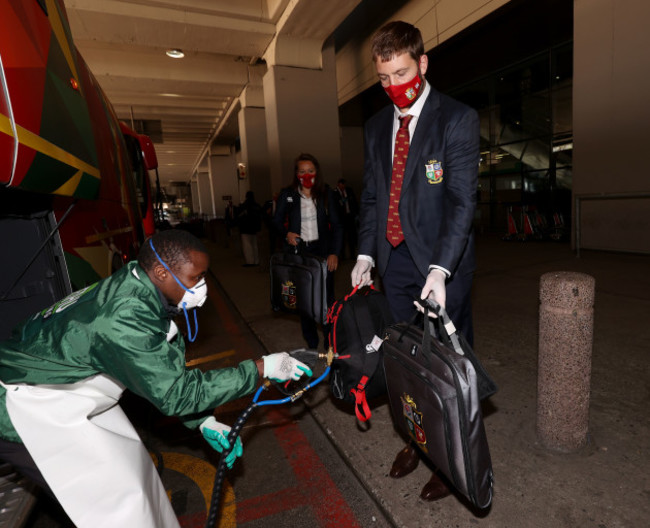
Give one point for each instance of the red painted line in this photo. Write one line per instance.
(266, 505)
(194, 520)
(229, 323)
(315, 487)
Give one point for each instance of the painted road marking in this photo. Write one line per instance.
(207, 359)
(202, 473)
(315, 486)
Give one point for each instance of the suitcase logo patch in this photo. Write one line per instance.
(413, 420)
(289, 295)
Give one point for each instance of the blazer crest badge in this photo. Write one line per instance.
(433, 170)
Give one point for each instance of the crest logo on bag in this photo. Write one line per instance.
(289, 295)
(413, 420)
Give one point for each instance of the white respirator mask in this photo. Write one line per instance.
(192, 298)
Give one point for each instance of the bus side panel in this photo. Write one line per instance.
(107, 231)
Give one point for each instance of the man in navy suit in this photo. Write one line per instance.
(422, 243)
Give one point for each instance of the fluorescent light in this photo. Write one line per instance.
(560, 148)
(175, 53)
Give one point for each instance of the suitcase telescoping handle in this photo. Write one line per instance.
(445, 326)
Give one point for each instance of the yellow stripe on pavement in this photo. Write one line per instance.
(207, 359)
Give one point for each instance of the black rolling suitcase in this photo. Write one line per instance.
(435, 384)
(299, 284)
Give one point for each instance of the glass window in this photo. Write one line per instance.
(526, 127)
(536, 181)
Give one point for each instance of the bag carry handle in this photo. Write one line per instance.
(444, 325)
(448, 335)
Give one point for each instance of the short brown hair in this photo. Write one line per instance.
(396, 38)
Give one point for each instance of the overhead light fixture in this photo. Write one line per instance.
(560, 148)
(175, 53)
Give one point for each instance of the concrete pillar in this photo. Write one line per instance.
(301, 108)
(223, 168)
(611, 121)
(196, 194)
(254, 151)
(205, 193)
(564, 362)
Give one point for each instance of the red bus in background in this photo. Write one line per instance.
(75, 195)
(143, 159)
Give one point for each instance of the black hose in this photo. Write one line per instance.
(308, 357)
(215, 500)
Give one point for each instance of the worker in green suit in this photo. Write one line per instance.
(63, 371)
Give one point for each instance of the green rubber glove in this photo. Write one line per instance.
(216, 435)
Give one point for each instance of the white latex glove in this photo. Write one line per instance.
(216, 435)
(435, 288)
(282, 367)
(361, 273)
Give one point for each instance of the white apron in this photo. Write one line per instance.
(90, 454)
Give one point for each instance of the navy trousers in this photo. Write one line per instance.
(403, 283)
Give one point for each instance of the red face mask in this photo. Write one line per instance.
(307, 181)
(405, 94)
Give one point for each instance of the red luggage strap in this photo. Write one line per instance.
(360, 400)
(333, 317)
(361, 407)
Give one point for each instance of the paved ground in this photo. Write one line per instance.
(605, 485)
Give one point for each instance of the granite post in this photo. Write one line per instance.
(564, 360)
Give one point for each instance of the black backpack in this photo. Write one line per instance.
(357, 324)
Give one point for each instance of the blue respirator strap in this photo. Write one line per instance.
(191, 337)
(167, 267)
(189, 329)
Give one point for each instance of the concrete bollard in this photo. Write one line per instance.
(564, 361)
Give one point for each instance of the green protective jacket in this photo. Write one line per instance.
(117, 326)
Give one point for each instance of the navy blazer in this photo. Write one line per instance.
(438, 197)
(328, 219)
